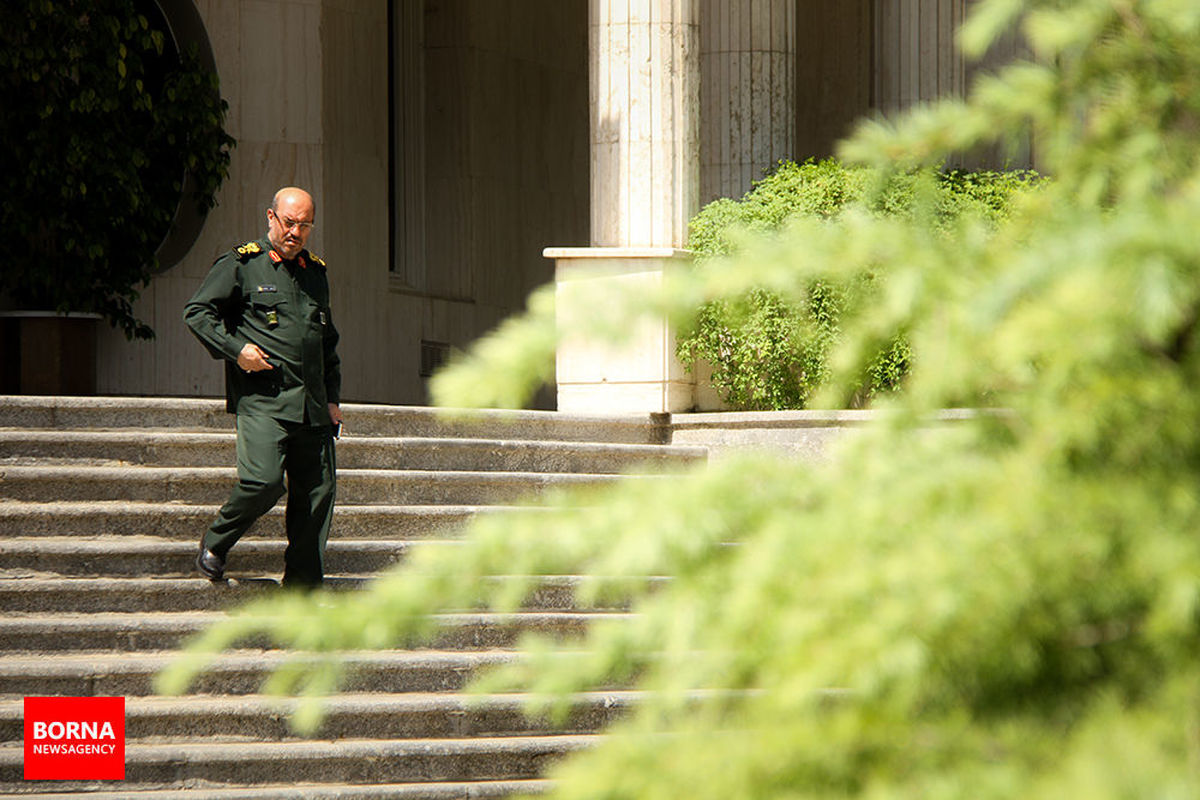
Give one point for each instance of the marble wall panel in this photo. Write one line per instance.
(916, 61)
(279, 75)
(223, 21)
(120, 362)
(198, 368)
(354, 99)
(223, 228)
(833, 79)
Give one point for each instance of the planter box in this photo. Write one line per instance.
(45, 353)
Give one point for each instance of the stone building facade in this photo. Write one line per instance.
(449, 143)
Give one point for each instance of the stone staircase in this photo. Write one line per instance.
(102, 503)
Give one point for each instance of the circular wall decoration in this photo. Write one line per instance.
(186, 33)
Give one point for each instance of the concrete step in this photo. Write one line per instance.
(196, 485)
(234, 672)
(128, 595)
(253, 557)
(428, 790)
(116, 518)
(144, 414)
(178, 765)
(216, 449)
(102, 503)
(200, 718)
(133, 632)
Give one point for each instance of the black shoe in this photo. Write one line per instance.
(211, 565)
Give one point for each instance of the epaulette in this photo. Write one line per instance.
(247, 250)
(315, 258)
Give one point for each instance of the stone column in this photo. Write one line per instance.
(645, 93)
(645, 105)
(747, 94)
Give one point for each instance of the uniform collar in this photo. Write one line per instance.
(301, 260)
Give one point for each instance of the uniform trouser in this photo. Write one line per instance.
(268, 450)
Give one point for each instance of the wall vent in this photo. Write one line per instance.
(433, 356)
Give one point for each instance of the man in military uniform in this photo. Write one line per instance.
(264, 309)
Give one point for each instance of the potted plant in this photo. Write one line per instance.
(109, 129)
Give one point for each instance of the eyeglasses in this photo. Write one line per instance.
(287, 223)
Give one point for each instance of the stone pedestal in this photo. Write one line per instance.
(615, 373)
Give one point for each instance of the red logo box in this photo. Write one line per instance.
(74, 738)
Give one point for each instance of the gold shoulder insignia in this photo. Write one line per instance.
(316, 258)
(248, 249)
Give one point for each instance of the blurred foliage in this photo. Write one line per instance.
(767, 351)
(102, 122)
(1005, 606)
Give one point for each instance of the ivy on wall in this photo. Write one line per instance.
(104, 126)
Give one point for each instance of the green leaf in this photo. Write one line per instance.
(80, 175)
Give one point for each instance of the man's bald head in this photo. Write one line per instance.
(293, 195)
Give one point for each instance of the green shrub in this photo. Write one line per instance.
(106, 135)
(767, 353)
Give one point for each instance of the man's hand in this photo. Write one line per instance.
(253, 359)
(335, 413)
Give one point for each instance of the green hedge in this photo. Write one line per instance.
(106, 132)
(769, 352)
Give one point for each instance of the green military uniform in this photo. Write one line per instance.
(253, 295)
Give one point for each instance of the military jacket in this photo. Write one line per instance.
(253, 295)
